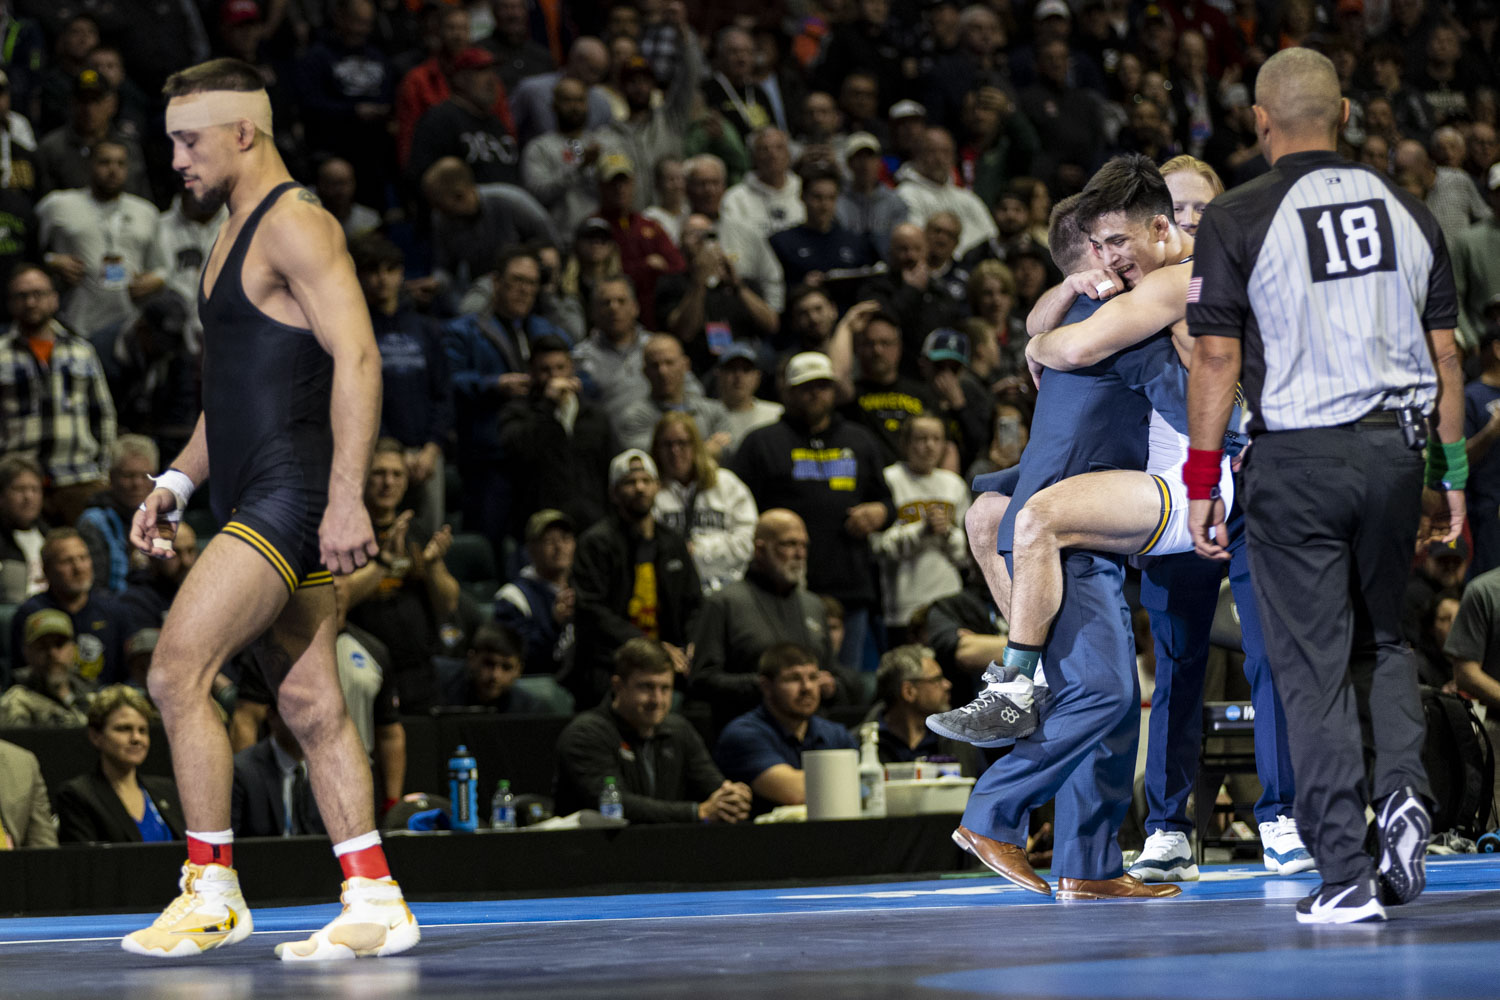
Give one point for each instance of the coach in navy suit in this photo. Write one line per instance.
(1083, 751)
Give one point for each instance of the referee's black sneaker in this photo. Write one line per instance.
(1342, 903)
(1404, 829)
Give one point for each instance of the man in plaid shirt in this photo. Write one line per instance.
(54, 400)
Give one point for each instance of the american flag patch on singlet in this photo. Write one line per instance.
(1195, 288)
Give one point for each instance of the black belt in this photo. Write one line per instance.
(1379, 418)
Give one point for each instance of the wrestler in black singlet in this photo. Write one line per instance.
(266, 392)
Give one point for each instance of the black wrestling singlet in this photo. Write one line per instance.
(266, 393)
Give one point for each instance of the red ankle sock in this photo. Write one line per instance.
(201, 852)
(366, 863)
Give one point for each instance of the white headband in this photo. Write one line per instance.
(192, 112)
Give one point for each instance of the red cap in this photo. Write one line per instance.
(473, 57)
(234, 12)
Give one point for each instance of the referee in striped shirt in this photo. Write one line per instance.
(1334, 289)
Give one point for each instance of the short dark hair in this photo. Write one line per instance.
(813, 171)
(510, 254)
(501, 640)
(886, 317)
(12, 465)
(796, 295)
(116, 143)
(832, 607)
(641, 656)
(21, 268)
(549, 344)
(373, 251)
(784, 656)
(1386, 52)
(1065, 236)
(1129, 183)
(216, 74)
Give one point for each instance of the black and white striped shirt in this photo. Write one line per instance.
(1331, 275)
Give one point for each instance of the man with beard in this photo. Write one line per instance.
(770, 605)
(560, 167)
(427, 84)
(67, 424)
(186, 230)
(466, 125)
(102, 242)
(633, 577)
(828, 470)
(292, 400)
(763, 748)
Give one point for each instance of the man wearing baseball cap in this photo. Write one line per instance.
(738, 376)
(49, 692)
(633, 577)
(426, 85)
(539, 602)
(466, 125)
(966, 406)
(646, 251)
(828, 470)
(867, 205)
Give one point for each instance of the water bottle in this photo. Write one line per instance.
(609, 800)
(463, 790)
(871, 773)
(503, 808)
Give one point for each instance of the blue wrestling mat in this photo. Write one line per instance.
(1231, 936)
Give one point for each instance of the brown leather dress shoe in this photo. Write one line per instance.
(1124, 887)
(1006, 860)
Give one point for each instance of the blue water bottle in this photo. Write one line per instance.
(463, 790)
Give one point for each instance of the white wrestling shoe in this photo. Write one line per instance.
(376, 922)
(210, 913)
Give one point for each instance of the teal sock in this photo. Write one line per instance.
(1023, 657)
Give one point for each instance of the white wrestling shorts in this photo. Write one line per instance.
(1167, 451)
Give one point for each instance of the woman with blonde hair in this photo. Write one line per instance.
(711, 507)
(1001, 353)
(1193, 185)
(115, 803)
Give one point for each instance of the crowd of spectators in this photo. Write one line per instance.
(691, 317)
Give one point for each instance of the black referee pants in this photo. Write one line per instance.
(1331, 518)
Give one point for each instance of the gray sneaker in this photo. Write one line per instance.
(1005, 711)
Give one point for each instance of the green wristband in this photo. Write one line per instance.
(1448, 465)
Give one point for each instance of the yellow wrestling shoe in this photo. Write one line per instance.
(376, 922)
(210, 913)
